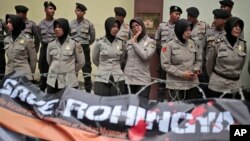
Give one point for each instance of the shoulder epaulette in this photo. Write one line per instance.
(100, 38)
(52, 40)
(218, 40)
(27, 35)
(75, 40)
(242, 40)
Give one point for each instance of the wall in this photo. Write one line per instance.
(240, 9)
(98, 10)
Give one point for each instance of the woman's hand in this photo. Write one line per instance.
(189, 75)
(135, 36)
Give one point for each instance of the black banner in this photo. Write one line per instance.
(126, 116)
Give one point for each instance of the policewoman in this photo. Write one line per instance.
(181, 60)
(65, 58)
(139, 50)
(225, 59)
(19, 48)
(107, 55)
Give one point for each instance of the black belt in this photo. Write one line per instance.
(44, 44)
(226, 77)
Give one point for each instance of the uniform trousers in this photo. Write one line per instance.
(109, 89)
(87, 68)
(179, 95)
(53, 90)
(2, 61)
(43, 67)
(136, 88)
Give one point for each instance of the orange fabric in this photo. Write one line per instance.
(46, 130)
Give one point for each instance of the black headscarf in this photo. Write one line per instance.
(64, 24)
(180, 27)
(108, 26)
(140, 22)
(230, 23)
(17, 23)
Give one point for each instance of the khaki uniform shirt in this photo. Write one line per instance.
(2, 30)
(199, 35)
(21, 55)
(176, 58)
(225, 62)
(46, 31)
(64, 62)
(124, 32)
(137, 69)
(164, 33)
(32, 31)
(107, 57)
(83, 32)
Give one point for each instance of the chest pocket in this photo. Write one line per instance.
(43, 31)
(66, 52)
(84, 32)
(20, 47)
(176, 56)
(165, 35)
(222, 54)
(73, 31)
(193, 50)
(104, 51)
(242, 54)
(6, 46)
(53, 52)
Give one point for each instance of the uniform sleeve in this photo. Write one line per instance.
(158, 37)
(80, 59)
(91, 33)
(211, 59)
(36, 36)
(198, 60)
(248, 69)
(32, 56)
(166, 55)
(48, 56)
(147, 52)
(95, 54)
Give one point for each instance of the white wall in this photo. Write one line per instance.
(241, 9)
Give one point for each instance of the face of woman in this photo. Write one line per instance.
(136, 28)
(114, 30)
(9, 25)
(236, 31)
(187, 34)
(58, 30)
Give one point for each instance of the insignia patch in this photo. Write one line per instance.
(164, 49)
(241, 48)
(21, 42)
(67, 47)
(79, 48)
(119, 48)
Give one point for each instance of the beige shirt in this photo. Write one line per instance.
(124, 32)
(64, 63)
(164, 33)
(21, 55)
(137, 69)
(227, 61)
(107, 57)
(176, 58)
